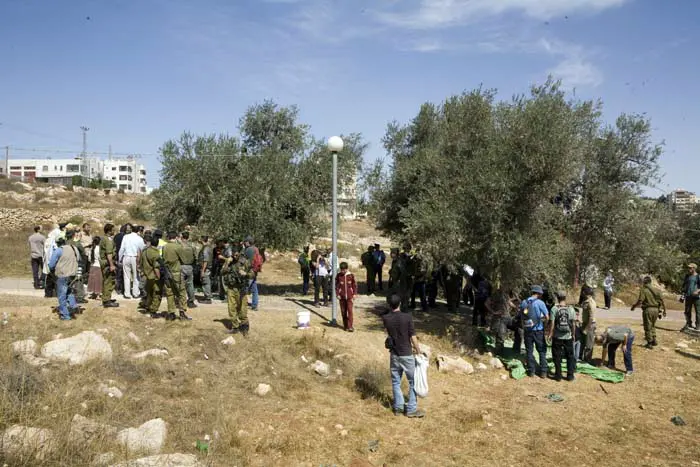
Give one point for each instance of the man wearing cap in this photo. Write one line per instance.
(236, 274)
(64, 263)
(174, 291)
(651, 302)
(691, 296)
(611, 339)
(534, 315)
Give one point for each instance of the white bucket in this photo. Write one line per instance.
(303, 319)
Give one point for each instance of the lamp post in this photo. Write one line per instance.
(335, 145)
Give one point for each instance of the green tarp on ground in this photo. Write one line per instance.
(515, 364)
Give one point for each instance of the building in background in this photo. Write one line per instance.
(127, 174)
(682, 200)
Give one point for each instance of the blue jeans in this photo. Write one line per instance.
(400, 366)
(535, 340)
(253, 291)
(612, 348)
(65, 296)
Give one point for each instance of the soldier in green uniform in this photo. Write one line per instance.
(108, 264)
(150, 264)
(237, 271)
(187, 268)
(652, 304)
(174, 291)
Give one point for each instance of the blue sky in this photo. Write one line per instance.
(140, 72)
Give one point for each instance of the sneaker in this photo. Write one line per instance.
(397, 412)
(65, 318)
(416, 414)
(191, 304)
(110, 305)
(685, 328)
(570, 378)
(351, 330)
(171, 317)
(629, 373)
(542, 375)
(244, 329)
(654, 343)
(206, 301)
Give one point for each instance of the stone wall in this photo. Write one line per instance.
(19, 218)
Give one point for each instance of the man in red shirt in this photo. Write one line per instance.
(345, 289)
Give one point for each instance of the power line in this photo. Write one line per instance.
(97, 153)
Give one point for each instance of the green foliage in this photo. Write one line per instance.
(99, 183)
(140, 210)
(274, 182)
(528, 190)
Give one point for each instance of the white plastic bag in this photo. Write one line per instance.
(421, 376)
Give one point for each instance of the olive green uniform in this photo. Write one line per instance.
(650, 300)
(108, 277)
(150, 262)
(174, 292)
(236, 275)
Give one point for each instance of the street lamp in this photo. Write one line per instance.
(335, 145)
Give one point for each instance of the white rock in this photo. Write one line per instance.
(111, 391)
(681, 345)
(84, 405)
(33, 360)
(228, 341)
(339, 426)
(198, 381)
(496, 363)
(163, 460)
(103, 331)
(425, 349)
(83, 430)
(133, 338)
(148, 438)
(448, 364)
(338, 372)
(343, 433)
(20, 440)
(304, 359)
(321, 368)
(481, 367)
(79, 349)
(680, 379)
(103, 459)
(263, 389)
(150, 353)
(504, 377)
(24, 347)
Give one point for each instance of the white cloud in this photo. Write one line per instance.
(431, 14)
(575, 71)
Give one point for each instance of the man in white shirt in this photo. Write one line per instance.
(132, 244)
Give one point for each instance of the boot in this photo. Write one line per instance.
(171, 317)
(244, 329)
(184, 316)
(191, 304)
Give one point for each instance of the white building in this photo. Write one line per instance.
(682, 200)
(127, 174)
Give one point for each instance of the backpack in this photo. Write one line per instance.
(257, 261)
(531, 319)
(562, 323)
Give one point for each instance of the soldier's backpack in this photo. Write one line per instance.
(562, 323)
(530, 317)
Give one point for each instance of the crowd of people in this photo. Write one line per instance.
(146, 265)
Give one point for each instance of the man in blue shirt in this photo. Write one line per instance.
(64, 264)
(691, 295)
(534, 314)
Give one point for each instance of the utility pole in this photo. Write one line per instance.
(84, 155)
(7, 162)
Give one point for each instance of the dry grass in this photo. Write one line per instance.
(294, 424)
(14, 253)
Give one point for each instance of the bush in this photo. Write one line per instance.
(140, 211)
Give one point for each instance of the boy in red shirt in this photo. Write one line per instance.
(345, 289)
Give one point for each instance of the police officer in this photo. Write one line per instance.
(174, 291)
(651, 302)
(236, 272)
(187, 268)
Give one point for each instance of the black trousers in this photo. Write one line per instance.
(563, 348)
(38, 272)
(50, 285)
(371, 278)
(380, 282)
(479, 312)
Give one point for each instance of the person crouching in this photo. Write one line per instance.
(346, 289)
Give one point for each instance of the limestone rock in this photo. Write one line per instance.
(448, 364)
(681, 345)
(111, 391)
(23, 441)
(263, 389)
(33, 360)
(496, 363)
(321, 368)
(84, 430)
(481, 367)
(148, 438)
(228, 341)
(150, 353)
(133, 338)
(23, 347)
(163, 460)
(79, 349)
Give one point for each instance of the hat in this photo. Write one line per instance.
(537, 289)
(693, 265)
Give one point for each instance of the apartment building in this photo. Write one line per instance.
(126, 173)
(682, 200)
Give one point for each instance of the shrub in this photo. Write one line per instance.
(140, 210)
